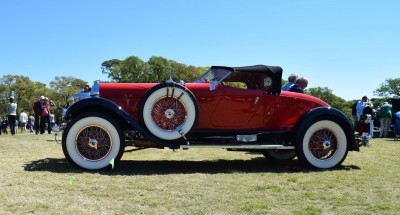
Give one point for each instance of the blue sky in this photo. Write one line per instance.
(351, 47)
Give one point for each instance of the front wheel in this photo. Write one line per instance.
(322, 144)
(91, 141)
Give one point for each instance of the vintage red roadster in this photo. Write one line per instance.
(234, 108)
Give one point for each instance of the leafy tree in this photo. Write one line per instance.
(390, 88)
(160, 69)
(156, 69)
(179, 71)
(378, 101)
(186, 73)
(64, 88)
(326, 95)
(4, 94)
(192, 72)
(132, 69)
(112, 68)
(25, 92)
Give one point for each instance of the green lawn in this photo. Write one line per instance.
(35, 178)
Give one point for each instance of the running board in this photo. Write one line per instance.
(235, 146)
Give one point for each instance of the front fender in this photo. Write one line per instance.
(106, 106)
(335, 115)
(91, 104)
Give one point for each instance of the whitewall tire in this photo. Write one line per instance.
(323, 145)
(92, 141)
(169, 111)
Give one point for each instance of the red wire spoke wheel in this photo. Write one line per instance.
(169, 110)
(321, 143)
(91, 140)
(93, 143)
(169, 113)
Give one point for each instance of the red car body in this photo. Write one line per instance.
(236, 108)
(225, 108)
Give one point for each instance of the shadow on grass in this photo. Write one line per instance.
(166, 167)
(393, 140)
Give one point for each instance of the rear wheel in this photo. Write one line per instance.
(92, 140)
(322, 143)
(169, 111)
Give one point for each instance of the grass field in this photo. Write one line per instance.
(35, 178)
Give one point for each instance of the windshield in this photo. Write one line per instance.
(216, 75)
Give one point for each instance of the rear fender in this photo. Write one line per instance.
(106, 106)
(336, 116)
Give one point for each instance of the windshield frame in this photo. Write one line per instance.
(216, 75)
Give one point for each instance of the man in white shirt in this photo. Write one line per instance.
(360, 108)
(52, 120)
(23, 118)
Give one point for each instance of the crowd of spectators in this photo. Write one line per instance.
(41, 121)
(381, 117)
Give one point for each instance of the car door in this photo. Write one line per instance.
(237, 109)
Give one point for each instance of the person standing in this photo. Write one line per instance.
(23, 118)
(368, 110)
(45, 116)
(16, 124)
(301, 84)
(3, 126)
(360, 108)
(12, 114)
(385, 114)
(31, 122)
(87, 89)
(37, 109)
(52, 120)
(291, 81)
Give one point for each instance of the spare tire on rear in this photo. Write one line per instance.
(168, 111)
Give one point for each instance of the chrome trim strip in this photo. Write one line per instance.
(238, 146)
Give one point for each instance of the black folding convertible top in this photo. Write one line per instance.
(275, 72)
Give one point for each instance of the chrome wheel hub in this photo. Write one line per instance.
(93, 143)
(169, 113)
(326, 144)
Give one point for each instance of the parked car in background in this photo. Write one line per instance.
(395, 104)
(235, 108)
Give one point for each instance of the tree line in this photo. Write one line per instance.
(26, 92)
(134, 69)
(156, 69)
